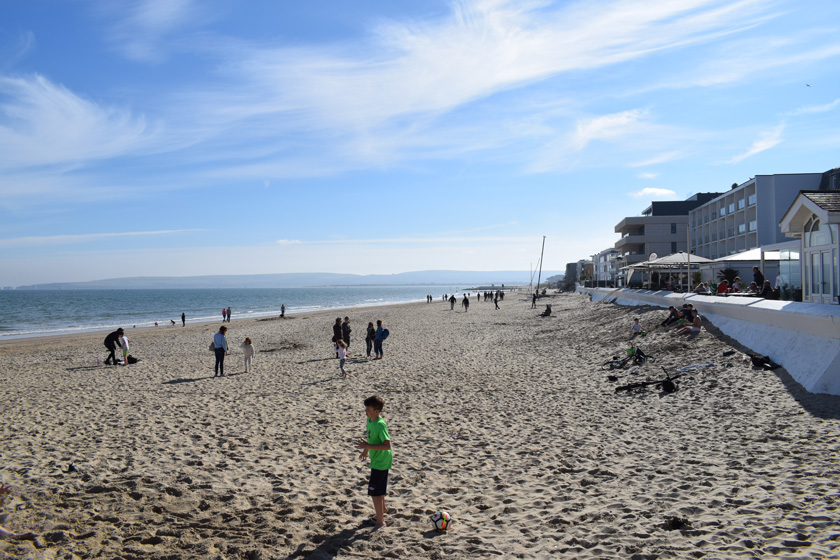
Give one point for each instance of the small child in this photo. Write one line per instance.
(637, 328)
(124, 346)
(341, 346)
(381, 457)
(250, 351)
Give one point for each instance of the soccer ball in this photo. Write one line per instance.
(441, 520)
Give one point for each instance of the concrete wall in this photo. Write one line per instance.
(802, 337)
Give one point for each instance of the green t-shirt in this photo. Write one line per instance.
(377, 432)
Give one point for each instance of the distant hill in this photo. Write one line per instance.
(301, 280)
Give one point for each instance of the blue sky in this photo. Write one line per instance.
(179, 138)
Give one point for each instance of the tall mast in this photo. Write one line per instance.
(541, 259)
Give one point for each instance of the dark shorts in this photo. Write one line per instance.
(378, 484)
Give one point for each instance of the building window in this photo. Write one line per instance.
(732, 208)
(751, 200)
(673, 246)
(723, 212)
(742, 228)
(673, 228)
(752, 225)
(741, 204)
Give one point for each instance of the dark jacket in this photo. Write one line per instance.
(112, 340)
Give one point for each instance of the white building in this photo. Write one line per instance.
(748, 215)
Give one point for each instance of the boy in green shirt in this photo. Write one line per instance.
(379, 444)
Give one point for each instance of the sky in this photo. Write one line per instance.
(187, 137)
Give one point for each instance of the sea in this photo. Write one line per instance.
(28, 313)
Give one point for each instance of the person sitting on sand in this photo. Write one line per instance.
(547, 312)
(673, 316)
(693, 328)
(637, 328)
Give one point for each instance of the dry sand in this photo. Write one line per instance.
(503, 419)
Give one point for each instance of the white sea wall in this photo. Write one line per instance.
(802, 337)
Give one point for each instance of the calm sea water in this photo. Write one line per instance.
(50, 312)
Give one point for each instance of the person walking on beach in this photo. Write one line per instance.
(183, 319)
(452, 302)
(224, 314)
(342, 357)
(229, 314)
(378, 443)
(466, 303)
(534, 301)
(283, 311)
(220, 348)
(345, 331)
(111, 342)
(496, 300)
(249, 351)
(378, 337)
(124, 345)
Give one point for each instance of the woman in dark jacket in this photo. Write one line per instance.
(371, 332)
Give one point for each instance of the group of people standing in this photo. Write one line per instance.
(374, 336)
(221, 349)
(226, 313)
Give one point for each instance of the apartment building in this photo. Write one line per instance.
(661, 229)
(748, 215)
(606, 264)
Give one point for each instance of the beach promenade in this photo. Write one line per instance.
(504, 419)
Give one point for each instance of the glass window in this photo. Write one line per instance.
(819, 235)
(742, 228)
(752, 226)
(723, 212)
(826, 273)
(836, 291)
(730, 232)
(751, 199)
(732, 208)
(741, 204)
(673, 228)
(815, 274)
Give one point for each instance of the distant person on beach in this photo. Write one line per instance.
(547, 312)
(342, 357)
(496, 300)
(636, 328)
(534, 301)
(378, 337)
(229, 314)
(249, 351)
(111, 342)
(336, 334)
(183, 320)
(224, 314)
(452, 302)
(220, 348)
(465, 303)
(124, 345)
(371, 333)
(378, 442)
(283, 311)
(345, 331)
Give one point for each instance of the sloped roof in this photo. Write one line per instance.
(827, 200)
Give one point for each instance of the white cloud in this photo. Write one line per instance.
(44, 124)
(287, 241)
(766, 140)
(648, 175)
(652, 192)
(813, 109)
(142, 25)
(82, 238)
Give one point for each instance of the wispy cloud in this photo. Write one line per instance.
(648, 175)
(45, 124)
(142, 25)
(652, 192)
(657, 159)
(766, 140)
(83, 238)
(814, 109)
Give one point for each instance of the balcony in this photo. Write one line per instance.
(629, 240)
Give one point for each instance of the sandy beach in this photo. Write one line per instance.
(504, 419)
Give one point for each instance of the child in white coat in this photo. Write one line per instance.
(250, 351)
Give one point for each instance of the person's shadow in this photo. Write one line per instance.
(330, 547)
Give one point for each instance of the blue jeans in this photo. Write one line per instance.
(377, 347)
